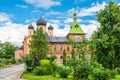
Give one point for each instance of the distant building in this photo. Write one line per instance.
(56, 44)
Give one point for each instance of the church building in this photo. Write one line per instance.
(56, 44)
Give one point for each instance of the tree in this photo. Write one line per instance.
(73, 54)
(7, 50)
(64, 57)
(107, 39)
(39, 46)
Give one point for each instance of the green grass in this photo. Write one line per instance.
(117, 77)
(31, 76)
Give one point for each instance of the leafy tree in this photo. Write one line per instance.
(107, 39)
(39, 46)
(7, 50)
(64, 57)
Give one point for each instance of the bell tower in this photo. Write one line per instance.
(41, 23)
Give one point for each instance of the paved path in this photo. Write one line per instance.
(12, 73)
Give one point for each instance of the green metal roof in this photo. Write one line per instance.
(76, 28)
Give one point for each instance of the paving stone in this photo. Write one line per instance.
(12, 73)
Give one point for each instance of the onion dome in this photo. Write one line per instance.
(41, 21)
(30, 26)
(50, 27)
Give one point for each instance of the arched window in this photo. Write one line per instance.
(54, 47)
(68, 48)
(61, 47)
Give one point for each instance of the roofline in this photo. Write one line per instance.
(76, 33)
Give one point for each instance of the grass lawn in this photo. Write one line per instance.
(117, 77)
(31, 76)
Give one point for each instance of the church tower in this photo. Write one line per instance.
(76, 33)
(50, 31)
(41, 23)
(30, 30)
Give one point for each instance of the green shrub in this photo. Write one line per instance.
(53, 57)
(45, 63)
(83, 70)
(112, 73)
(64, 72)
(118, 70)
(2, 64)
(13, 61)
(40, 71)
(100, 75)
(29, 63)
(54, 68)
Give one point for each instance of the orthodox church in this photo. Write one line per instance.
(56, 44)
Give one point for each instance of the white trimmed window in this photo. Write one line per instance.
(61, 47)
(77, 38)
(54, 47)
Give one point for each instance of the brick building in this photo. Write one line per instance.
(56, 44)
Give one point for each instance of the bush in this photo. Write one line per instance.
(82, 70)
(100, 75)
(40, 71)
(64, 72)
(13, 61)
(118, 70)
(54, 68)
(112, 73)
(29, 63)
(2, 64)
(46, 64)
(52, 58)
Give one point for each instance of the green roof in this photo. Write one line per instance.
(76, 28)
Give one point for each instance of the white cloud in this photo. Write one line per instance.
(43, 3)
(4, 17)
(13, 32)
(70, 20)
(22, 6)
(53, 13)
(92, 10)
(90, 28)
(54, 21)
(27, 21)
(119, 4)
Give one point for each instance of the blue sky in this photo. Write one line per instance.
(16, 15)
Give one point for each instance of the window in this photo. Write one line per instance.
(61, 47)
(61, 57)
(68, 48)
(77, 38)
(54, 47)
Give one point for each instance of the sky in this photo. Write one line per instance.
(17, 15)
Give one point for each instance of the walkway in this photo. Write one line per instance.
(12, 73)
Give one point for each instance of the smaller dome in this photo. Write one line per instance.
(50, 27)
(30, 26)
(41, 21)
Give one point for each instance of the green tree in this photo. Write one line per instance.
(7, 50)
(73, 54)
(107, 39)
(39, 46)
(64, 57)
